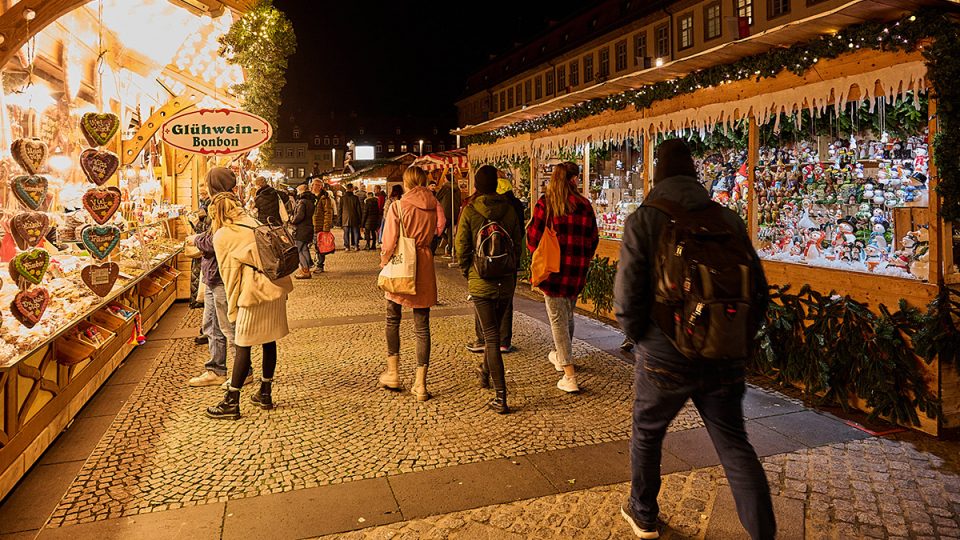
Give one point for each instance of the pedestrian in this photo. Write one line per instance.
(303, 229)
(322, 224)
(350, 215)
(395, 193)
(267, 201)
(491, 220)
(571, 216)
(256, 305)
(370, 221)
(381, 196)
(450, 199)
(216, 325)
(421, 219)
(665, 378)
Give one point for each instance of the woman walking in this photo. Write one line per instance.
(490, 214)
(571, 216)
(303, 229)
(421, 220)
(322, 223)
(255, 304)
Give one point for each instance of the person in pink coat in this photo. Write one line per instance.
(423, 220)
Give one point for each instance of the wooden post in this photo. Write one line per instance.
(534, 180)
(753, 155)
(648, 153)
(586, 170)
(940, 244)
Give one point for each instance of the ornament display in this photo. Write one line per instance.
(30, 190)
(99, 165)
(31, 154)
(99, 128)
(29, 228)
(100, 240)
(29, 267)
(102, 203)
(100, 278)
(28, 306)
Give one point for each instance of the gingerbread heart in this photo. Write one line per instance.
(99, 165)
(29, 228)
(100, 240)
(100, 278)
(28, 306)
(102, 203)
(31, 154)
(31, 191)
(98, 128)
(29, 267)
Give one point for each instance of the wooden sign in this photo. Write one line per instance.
(216, 131)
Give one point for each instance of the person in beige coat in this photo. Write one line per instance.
(255, 304)
(423, 220)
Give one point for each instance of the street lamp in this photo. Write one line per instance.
(421, 147)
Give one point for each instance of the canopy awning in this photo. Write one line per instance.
(442, 160)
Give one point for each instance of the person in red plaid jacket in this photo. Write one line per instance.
(571, 216)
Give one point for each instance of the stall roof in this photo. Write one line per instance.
(391, 169)
(439, 160)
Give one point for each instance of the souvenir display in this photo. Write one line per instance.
(29, 228)
(99, 165)
(29, 267)
(100, 240)
(99, 128)
(724, 174)
(30, 190)
(616, 186)
(31, 154)
(100, 278)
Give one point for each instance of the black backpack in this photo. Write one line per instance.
(278, 254)
(703, 284)
(494, 255)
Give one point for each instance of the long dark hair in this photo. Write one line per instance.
(396, 191)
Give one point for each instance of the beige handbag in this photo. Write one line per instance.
(399, 275)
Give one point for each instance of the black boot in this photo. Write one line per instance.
(228, 409)
(499, 403)
(484, 376)
(263, 398)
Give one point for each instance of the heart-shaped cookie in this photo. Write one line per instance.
(100, 278)
(102, 203)
(31, 154)
(99, 165)
(29, 228)
(31, 191)
(29, 267)
(100, 240)
(28, 306)
(98, 128)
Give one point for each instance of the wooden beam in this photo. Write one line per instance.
(131, 148)
(753, 154)
(936, 245)
(648, 153)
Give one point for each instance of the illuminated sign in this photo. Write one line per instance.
(363, 153)
(216, 131)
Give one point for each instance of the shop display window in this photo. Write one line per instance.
(616, 185)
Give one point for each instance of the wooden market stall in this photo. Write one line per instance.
(792, 196)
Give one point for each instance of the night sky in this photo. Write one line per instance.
(401, 58)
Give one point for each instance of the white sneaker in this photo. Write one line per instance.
(555, 361)
(207, 378)
(568, 384)
(226, 383)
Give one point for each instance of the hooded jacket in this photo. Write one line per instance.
(267, 201)
(303, 217)
(370, 218)
(483, 209)
(423, 219)
(323, 214)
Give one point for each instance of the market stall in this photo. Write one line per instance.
(826, 150)
(93, 204)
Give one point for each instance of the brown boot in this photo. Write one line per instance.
(302, 274)
(419, 388)
(390, 378)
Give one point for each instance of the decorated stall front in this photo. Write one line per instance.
(835, 153)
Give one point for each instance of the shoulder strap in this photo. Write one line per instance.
(403, 233)
(668, 207)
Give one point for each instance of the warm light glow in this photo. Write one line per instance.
(659, 62)
(60, 161)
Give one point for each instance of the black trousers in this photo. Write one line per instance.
(506, 327)
(490, 313)
(421, 329)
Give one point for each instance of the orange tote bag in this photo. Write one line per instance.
(546, 258)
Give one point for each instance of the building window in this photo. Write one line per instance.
(777, 8)
(621, 49)
(604, 68)
(712, 21)
(296, 134)
(538, 87)
(301, 172)
(316, 140)
(551, 82)
(510, 98)
(403, 147)
(361, 131)
(429, 147)
(640, 50)
(493, 104)
(574, 74)
(290, 152)
(443, 146)
(398, 131)
(379, 148)
(336, 141)
(588, 68)
(299, 152)
(685, 31)
(278, 153)
(561, 78)
(663, 42)
(290, 173)
(391, 148)
(326, 140)
(503, 100)
(744, 8)
(528, 91)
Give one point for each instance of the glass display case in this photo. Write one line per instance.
(616, 185)
(724, 174)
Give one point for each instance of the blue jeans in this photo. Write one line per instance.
(217, 328)
(303, 251)
(664, 381)
(351, 237)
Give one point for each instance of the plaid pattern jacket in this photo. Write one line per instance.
(578, 237)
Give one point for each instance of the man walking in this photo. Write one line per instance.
(267, 202)
(449, 197)
(350, 214)
(664, 377)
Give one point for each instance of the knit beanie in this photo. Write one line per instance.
(485, 180)
(674, 159)
(221, 179)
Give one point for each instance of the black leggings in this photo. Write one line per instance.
(241, 363)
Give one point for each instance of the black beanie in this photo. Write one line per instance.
(485, 180)
(674, 159)
(220, 179)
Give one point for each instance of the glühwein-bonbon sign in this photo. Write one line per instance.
(216, 131)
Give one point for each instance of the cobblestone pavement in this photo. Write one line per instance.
(332, 424)
(874, 488)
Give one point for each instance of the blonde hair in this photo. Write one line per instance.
(560, 188)
(224, 210)
(414, 177)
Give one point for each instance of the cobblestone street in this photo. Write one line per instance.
(338, 456)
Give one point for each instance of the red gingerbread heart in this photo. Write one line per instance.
(29, 228)
(28, 306)
(31, 154)
(102, 203)
(99, 165)
(100, 278)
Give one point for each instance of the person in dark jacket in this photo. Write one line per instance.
(350, 219)
(322, 220)
(450, 201)
(267, 201)
(370, 221)
(303, 229)
(665, 379)
(491, 297)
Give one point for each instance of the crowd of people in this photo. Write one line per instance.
(680, 353)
